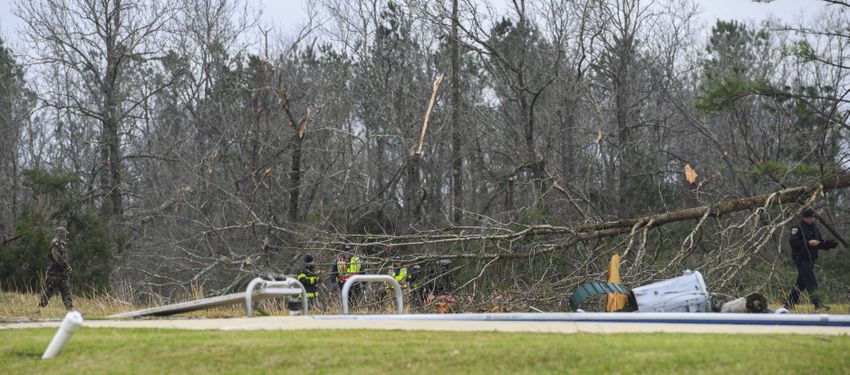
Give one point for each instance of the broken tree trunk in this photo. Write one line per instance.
(299, 128)
(414, 186)
(690, 187)
(457, 160)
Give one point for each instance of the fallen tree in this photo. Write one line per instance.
(509, 258)
(581, 232)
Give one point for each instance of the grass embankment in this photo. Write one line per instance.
(101, 350)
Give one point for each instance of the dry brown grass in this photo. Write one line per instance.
(23, 306)
(15, 306)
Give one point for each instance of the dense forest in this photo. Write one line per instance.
(185, 144)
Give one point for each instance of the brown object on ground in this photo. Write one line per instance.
(442, 307)
(615, 301)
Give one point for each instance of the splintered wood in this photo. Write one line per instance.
(428, 114)
(690, 174)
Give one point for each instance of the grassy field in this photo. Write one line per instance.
(101, 350)
(139, 351)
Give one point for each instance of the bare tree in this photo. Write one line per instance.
(457, 145)
(16, 102)
(105, 47)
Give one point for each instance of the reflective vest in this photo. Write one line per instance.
(347, 269)
(341, 269)
(354, 266)
(341, 266)
(400, 274)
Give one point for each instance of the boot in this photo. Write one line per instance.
(816, 300)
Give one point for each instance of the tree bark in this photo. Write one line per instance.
(299, 130)
(111, 123)
(295, 177)
(414, 184)
(567, 122)
(457, 158)
(412, 189)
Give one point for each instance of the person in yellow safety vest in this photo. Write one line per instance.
(399, 273)
(310, 279)
(339, 269)
(354, 268)
(346, 266)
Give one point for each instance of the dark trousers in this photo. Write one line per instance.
(314, 304)
(57, 282)
(806, 282)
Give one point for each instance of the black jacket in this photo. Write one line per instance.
(801, 233)
(309, 279)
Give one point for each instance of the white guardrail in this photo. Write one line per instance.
(264, 284)
(346, 288)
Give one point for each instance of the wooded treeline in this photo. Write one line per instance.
(183, 142)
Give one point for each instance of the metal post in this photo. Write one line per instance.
(72, 321)
(399, 296)
(249, 300)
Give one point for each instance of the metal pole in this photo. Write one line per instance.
(72, 321)
(776, 318)
(249, 300)
(399, 296)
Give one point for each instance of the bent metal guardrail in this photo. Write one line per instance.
(346, 288)
(288, 283)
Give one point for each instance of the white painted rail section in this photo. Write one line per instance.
(73, 320)
(249, 298)
(663, 318)
(399, 296)
(266, 285)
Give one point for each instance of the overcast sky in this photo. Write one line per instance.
(289, 14)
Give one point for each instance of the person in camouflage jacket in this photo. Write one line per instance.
(59, 273)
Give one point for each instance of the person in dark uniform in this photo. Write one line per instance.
(310, 279)
(806, 241)
(59, 273)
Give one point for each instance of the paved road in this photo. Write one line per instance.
(293, 323)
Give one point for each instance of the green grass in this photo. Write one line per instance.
(149, 351)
